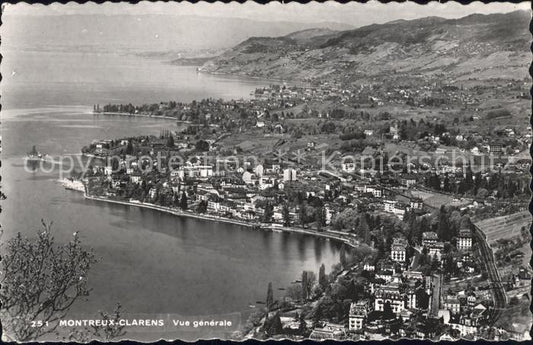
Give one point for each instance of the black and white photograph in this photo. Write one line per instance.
(286, 171)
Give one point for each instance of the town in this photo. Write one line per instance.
(417, 184)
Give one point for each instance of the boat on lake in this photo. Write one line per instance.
(35, 155)
(73, 184)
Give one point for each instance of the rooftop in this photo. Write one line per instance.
(430, 235)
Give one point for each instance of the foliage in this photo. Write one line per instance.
(269, 213)
(183, 201)
(109, 330)
(273, 325)
(41, 281)
(254, 320)
(342, 257)
(322, 279)
(202, 145)
(202, 207)
(308, 280)
(286, 215)
(270, 297)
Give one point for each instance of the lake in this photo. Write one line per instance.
(150, 262)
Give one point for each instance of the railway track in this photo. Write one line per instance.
(499, 295)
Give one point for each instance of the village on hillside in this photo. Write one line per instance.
(426, 188)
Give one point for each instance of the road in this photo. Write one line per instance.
(435, 295)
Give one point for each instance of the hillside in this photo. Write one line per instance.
(476, 46)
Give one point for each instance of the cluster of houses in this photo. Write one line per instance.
(235, 192)
(405, 293)
(250, 193)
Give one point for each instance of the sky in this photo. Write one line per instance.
(356, 14)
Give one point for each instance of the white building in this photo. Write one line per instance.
(249, 178)
(357, 315)
(135, 178)
(369, 132)
(259, 170)
(266, 182)
(388, 205)
(435, 250)
(411, 302)
(376, 191)
(328, 331)
(464, 240)
(289, 175)
(389, 294)
(452, 304)
(394, 207)
(108, 170)
(348, 167)
(195, 171)
(429, 238)
(398, 250)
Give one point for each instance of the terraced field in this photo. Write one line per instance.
(435, 199)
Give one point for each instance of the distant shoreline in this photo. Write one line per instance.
(252, 77)
(192, 61)
(262, 226)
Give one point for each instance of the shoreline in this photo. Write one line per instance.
(162, 117)
(246, 76)
(262, 226)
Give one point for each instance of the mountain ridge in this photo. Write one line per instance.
(493, 43)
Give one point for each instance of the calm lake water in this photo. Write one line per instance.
(148, 261)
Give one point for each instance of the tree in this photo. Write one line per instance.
(183, 201)
(202, 207)
(269, 213)
(305, 286)
(302, 215)
(302, 328)
(286, 215)
(322, 280)
(388, 314)
(435, 263)
(115, 164)
(308, 280)
(482, 193)
(320, 218)
(202, 145)
(129, 148)
(443, 231)
(273, 325)
(294, 291)
(450, 266)
(254, 320)
(342, 257)
(345, 220)
(328, 127)
(468, 181)
(40, 282)
(270, 296)
(363, 228)
(170, 141)
(109, 330)
(422, 299)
